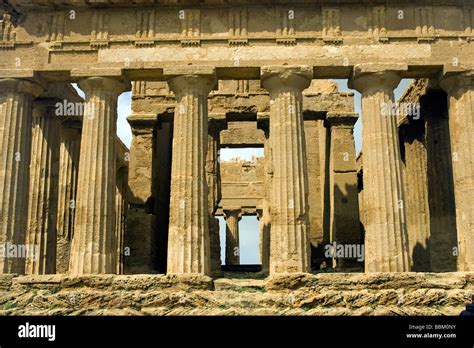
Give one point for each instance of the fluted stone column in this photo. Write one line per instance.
(142, 226)
(344, 206)
(214, 194)
(93, 249)
(43, 193)
(416, 195)
(442, 213)
(460, 88)
(68, 170)
(188, 243)
(232, 246)
(290, 250)
(386, 244)
(16, 98)
(120, 215)
(264, 215)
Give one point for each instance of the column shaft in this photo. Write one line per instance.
(68, 170)
(344, 205)
(416, 195)
(16, 97)
(460, 88)
(120, 215)
(232, 246)
(43, 192)
(93, 248)
(386, 245)
(290, 251)
(142, 228)
(214, 192)
(442, 213)
(265, 219)
(188, 243)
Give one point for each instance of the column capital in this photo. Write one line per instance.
(341, 119)
(142, 123)
(114, 85)
(202, 83)
(453, 82)
(20, 86)
(236, 213)
(367, 78)
(277, 78)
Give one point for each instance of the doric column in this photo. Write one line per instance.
(120, 215)
(141, 222)
(68, 170)
(232, 246)
(386, 245)
(290, 250)
(264, 214)
(416, 195)
(460, 88)
(318, 190)
(214, 193)
(43, 193)
(16, 97)
(188, 238)
(93, 249)
(442, 211)
(343, 193)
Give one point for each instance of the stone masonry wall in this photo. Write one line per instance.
(298, 294)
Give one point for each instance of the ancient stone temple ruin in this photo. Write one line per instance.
(207, 75)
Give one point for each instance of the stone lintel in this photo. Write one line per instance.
(336, 118)
(91, 72)
(370, 68)
(170, 72)
(19, 74)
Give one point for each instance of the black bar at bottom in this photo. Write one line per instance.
(221, 331)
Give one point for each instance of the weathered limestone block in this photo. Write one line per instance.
(16, 97)
(232, 246)
(141, 222)
(43, 193)
(416, 195)
(93, 249)
(68, 170)
(442, 213)
(344, 205)
(188, 238)
(386, 244)
(460, 88)
(290, 251)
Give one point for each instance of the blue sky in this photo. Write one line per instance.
(248, 225)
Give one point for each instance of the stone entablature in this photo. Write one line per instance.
(143, 41)
(155, 97)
